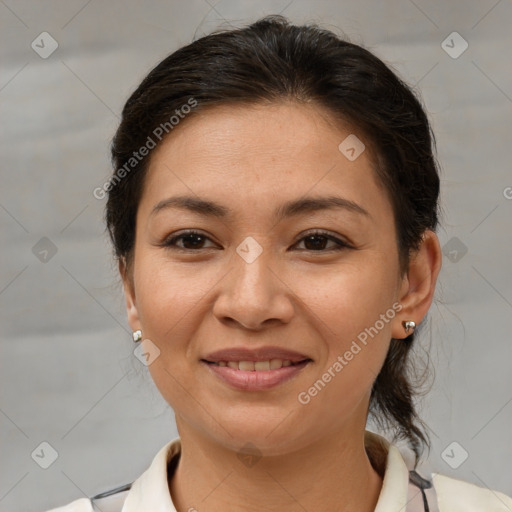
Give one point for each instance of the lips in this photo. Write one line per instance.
(256, 366)
(255, 355)
(255, 380)
(255, 369)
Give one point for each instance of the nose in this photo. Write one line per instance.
(253, 295)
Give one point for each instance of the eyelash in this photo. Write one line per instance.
(169, 243)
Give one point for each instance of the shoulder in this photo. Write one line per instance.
(151, 487)
(110, 501)
(81, 505)
(458, 496)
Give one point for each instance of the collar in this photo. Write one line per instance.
(151, 491)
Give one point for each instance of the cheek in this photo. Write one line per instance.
(167, 294)
(168, 313)
(351, 311)
(171, 300)
(349, 297)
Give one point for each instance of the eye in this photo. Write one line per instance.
(317, 240)
(191, 240)
(314, 241)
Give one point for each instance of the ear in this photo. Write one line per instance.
(129, 293)
(418, 285)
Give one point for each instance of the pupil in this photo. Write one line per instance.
(187, 238)
(314, 241)
(317, 245)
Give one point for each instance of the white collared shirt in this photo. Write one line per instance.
(150, 492)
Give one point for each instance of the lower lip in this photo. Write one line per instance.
(256, 380)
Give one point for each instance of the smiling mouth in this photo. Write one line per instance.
(257, 366)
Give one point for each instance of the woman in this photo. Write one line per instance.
(273, 210)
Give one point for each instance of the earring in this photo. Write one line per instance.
(409, 325)
(137, 335)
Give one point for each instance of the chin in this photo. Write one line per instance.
(266, 437)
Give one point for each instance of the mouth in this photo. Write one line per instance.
(256, 376)
(258, 366)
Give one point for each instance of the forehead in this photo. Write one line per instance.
(254, 155)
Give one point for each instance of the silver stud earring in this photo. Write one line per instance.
(409, 325)
(137, 335)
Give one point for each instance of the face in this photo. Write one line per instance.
(312, 279)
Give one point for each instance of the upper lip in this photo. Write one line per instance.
(257, 354)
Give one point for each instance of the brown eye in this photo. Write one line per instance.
(317, 241)
(314, 242)
(191, 240)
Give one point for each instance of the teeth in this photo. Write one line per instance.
(262, 365)
(249, 366)
(275, 364)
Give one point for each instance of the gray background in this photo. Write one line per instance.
(68, 375)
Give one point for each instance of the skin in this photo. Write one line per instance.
(314, 301)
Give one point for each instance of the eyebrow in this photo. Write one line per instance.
(288, 209)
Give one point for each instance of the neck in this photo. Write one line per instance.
(333, 473)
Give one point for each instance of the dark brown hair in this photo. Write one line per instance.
(271, 61)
